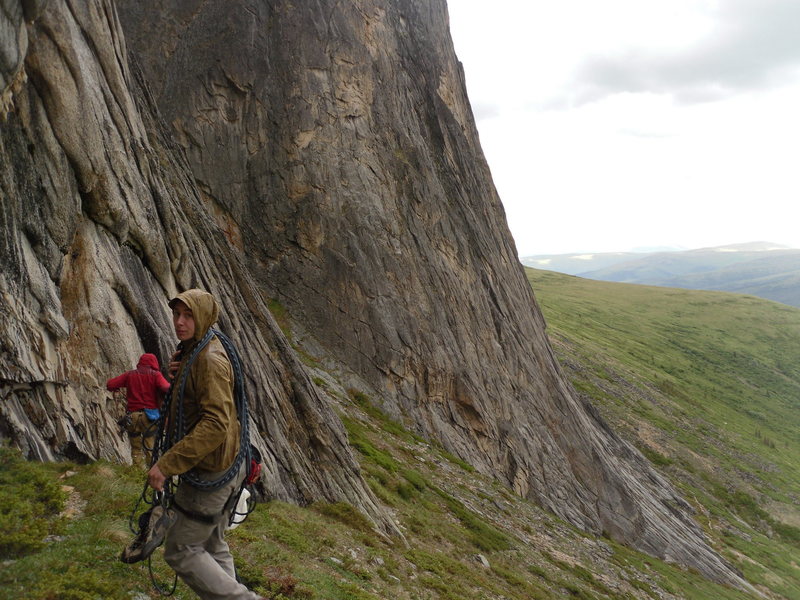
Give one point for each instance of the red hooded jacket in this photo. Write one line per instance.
(144, 385)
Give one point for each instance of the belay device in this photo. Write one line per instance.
(154, 522)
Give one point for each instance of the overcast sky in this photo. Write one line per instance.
(619, 124)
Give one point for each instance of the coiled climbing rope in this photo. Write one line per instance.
(166, 439)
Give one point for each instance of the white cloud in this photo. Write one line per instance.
(630, 123)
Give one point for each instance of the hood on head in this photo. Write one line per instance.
(204, 309)
(148, 360)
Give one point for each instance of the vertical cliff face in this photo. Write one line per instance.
(323, 154)
(100, 225)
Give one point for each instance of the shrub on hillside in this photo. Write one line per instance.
(30, 502)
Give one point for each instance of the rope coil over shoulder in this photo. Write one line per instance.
(176, 433)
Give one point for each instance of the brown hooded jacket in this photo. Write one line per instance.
(211, 442)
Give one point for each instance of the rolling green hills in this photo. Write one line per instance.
(705, 384)
(762, 269)
(773, 274)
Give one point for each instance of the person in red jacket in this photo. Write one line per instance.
(145, 387)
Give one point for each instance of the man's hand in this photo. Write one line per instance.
(156, 479)
(174, 363)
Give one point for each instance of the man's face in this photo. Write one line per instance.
(183, 320)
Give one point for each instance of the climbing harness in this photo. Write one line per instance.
(168, 436)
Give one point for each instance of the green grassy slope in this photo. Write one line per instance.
(707, 385)
(772, 275)
(450, 517)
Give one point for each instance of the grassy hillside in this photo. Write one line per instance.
(707, 385)
(773, 275)
(465, 537)
(775, 278)
(704, 384)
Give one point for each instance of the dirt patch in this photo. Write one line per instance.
(652, 437)
(73, 507)
(785, 513)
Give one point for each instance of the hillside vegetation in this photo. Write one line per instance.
(774, 274)
(705, 384)
(762, 269)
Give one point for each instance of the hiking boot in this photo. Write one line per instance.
(153, 526)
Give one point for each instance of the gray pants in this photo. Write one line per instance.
(197, 551)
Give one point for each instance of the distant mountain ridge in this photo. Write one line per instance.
(762, 269)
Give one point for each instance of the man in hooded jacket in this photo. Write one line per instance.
(195, 546)
(144, 388)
